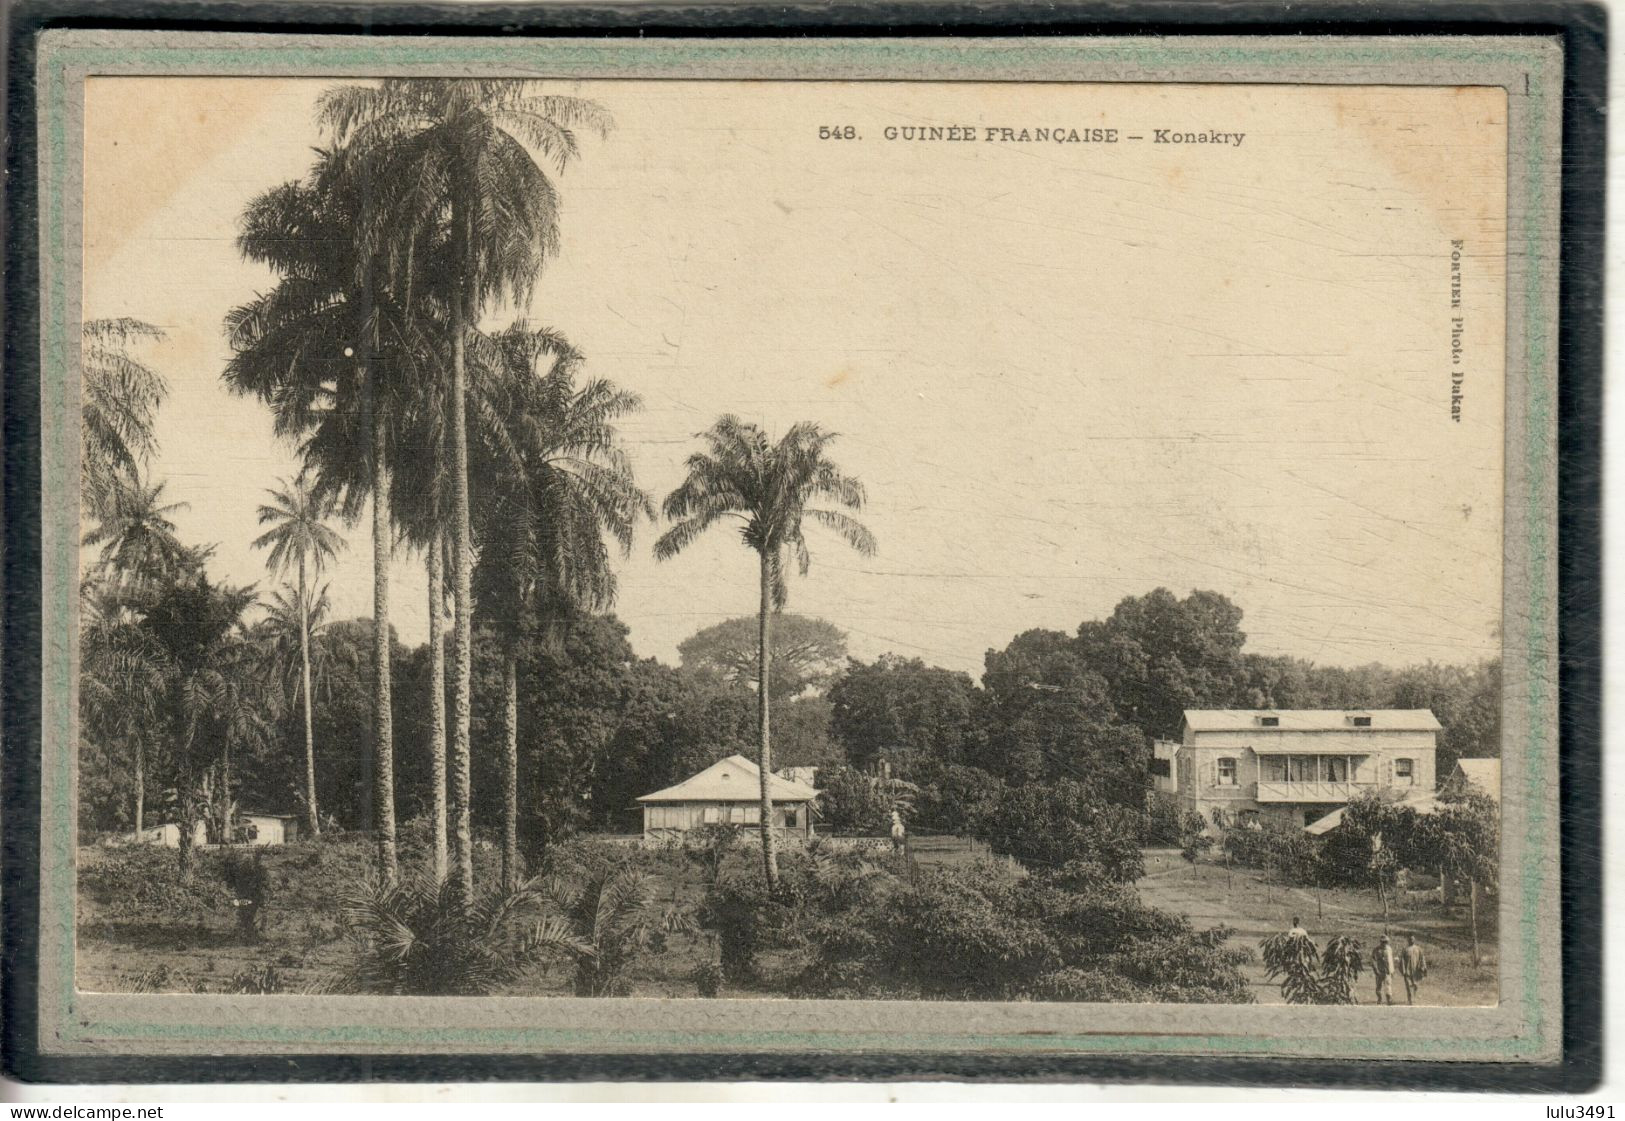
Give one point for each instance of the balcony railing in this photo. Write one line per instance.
(1311, 791)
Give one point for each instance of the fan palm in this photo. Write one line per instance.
(559, 485)
(334, 350)
(299, 538)
(605, 920)
(120, 399)
(461, 159)
(768, 488)
(419, 936)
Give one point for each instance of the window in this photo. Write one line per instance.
(711, 816)
(1227, 772)
(1337, 770)
(1159, 767)
(1269, 721)
(1404, 772)
(791, 819)
(1361, 721)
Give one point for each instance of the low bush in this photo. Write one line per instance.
(1287, 851)
(141, 881)
(1047, 825)
(963, 934)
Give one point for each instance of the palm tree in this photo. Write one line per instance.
(458, 159)
(190, 645)
(335, 350)
(418, 936)
(120, 399)
(559, 483)
(421, 497)
(118, 683)
(299, 538)
(604, 922)
(135, 533)
(767, 487)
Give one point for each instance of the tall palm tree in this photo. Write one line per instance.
(334, 350)
(135, 532)
(559, 484)
(462, 159)
(188, 634)
(767, 487)
(299, 538)
(118, 684)
(120, 398)
(422, 489)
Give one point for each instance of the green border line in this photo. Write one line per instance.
(654, 58)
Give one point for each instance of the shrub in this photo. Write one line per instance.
(255, 982)
(708, 978)
(1308, 976)
(250, 886)
(853, 802)
(140, 881)
(746, 919)
(416, 937)
(955, 799)
(963, 934)
(1047, 825)
(1162, 824)
(1287, 851)
(1088, 986)
(605, 920)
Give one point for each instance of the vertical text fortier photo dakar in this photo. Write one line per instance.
(869, 540)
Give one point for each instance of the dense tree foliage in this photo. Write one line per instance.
(808, 653)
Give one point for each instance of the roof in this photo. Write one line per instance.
(1482, 773)
(1420, 801)
(1311, 719)
(257, 813)
(734, 779)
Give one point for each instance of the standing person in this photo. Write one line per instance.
(1297, 930)
(898, 834)
(1382, 969)
(1413, 966)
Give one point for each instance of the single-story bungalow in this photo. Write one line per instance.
(1480, 775)
(266, 829)
(250, 829)
(728, 792)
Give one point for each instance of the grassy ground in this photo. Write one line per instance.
(1210, 895)
(139, 929)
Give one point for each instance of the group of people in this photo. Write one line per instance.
(1410, 963)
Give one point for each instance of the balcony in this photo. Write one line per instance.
(1311, 791)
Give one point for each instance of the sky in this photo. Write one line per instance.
(1066, 373)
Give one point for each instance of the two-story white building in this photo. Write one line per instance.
(1298, 765)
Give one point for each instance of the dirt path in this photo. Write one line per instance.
(1211, 895)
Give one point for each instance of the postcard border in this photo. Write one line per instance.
(1539, 471)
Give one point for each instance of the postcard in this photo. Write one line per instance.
(947, 546)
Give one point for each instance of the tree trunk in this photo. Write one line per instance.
(764, 759)
(1472, 918)
(188, 823)
(140, 786)
(510, 770)
(223, 802)
(313, 819)
(437, 697)
(383, 736)
(462, 588)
